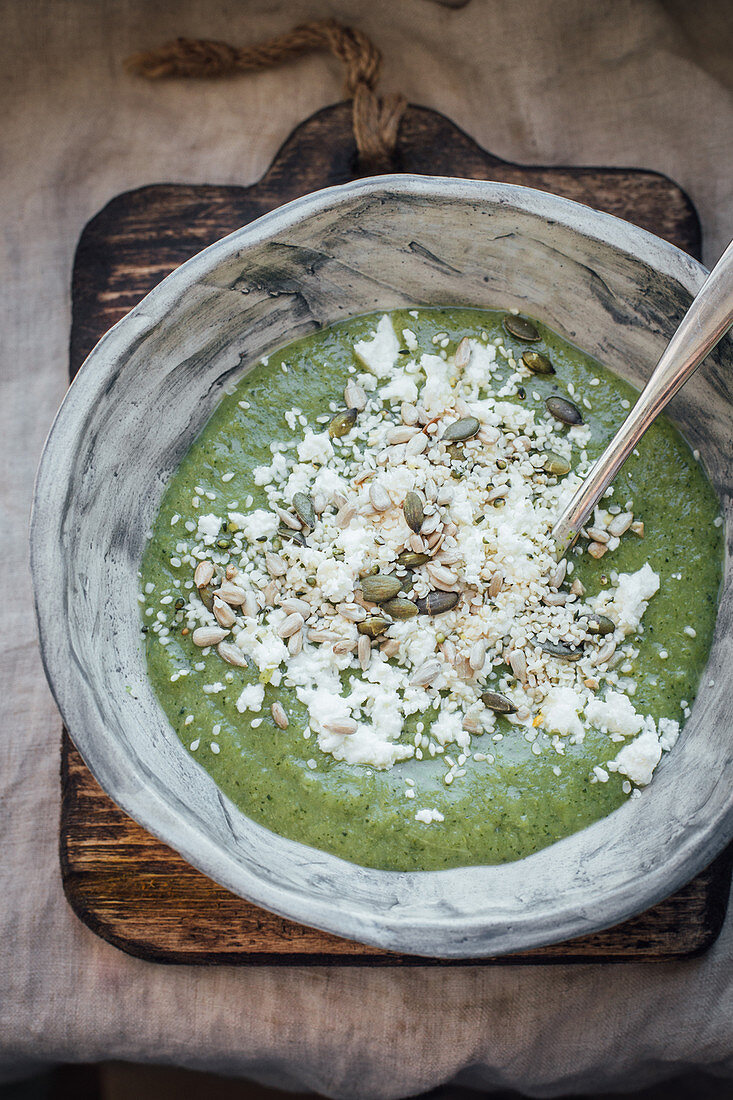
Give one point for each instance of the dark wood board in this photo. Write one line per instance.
(130, 888)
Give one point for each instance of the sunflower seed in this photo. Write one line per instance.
(205, 636)
(620, 524)
(364, 652)
(295, 644)
(304, 509)
(231, 594)
(354, 396)
(379, 497)
(559, 575)
(204, 574)
(352, 612)
(250, 606)
(417, 544)
(348, 645)
(597, 549)
(291, 625)
(416, 445)
(597, 534)
(231, 572)
(276, 567)
(461, 430)
(577, 588)
(408, 413)
(403, 434)
(604, 654)
(441, 574)
(564, 411)
(279, 716)
(637, 527)
(426, 674)
(223, 613)
(344, 516)
(293, 604)
(554, 599)
(342, 423)
(269, 594)
(232, 654)
(343, 726)
(518, 664)
(390, 648)
(437, 603)
(320, 637)
(463, 354)
(499, 703)
(520, 327)
(495, 584)
(288, 519)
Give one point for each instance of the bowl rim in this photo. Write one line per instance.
(148, 807)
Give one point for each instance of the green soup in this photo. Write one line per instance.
(404, 789)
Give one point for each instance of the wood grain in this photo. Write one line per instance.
(127, 886)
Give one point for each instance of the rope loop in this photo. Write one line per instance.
(376, 121)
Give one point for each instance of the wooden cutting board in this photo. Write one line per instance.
(124, 884)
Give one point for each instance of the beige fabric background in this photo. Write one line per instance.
(563, 81)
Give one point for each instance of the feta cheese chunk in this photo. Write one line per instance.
(379, 354)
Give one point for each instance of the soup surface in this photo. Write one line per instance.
(353, 617)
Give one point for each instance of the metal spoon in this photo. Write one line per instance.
(703, 326)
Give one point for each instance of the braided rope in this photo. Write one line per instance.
(376, 121)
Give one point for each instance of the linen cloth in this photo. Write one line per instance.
(644, 84)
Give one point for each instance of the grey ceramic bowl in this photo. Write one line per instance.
(144, 394)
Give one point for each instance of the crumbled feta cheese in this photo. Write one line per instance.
(207, 529)
(254, 525)
(428, 816)
(380, 353)
(251, 698)
(631, 597)
(560, 712)
(316, 447)
(639, 759)
(335, 580)
(614, 714)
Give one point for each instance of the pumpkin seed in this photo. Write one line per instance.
(564, 411)
(600, 624)
(521, 328)
(494, 701)
(304, 509)
(556, 465)
(413, 511)
(561, 651)
(373, 626)
(538, 364)
(400, 608)
(380, 588)
(342, 423)
(410, 560)
(437, 603)
(207, 598)
(461, 430)
(293, 536)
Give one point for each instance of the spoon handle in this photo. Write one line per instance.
(703, 326)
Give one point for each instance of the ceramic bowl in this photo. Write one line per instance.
(145, 393)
